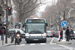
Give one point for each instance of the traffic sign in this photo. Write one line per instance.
(64, 23)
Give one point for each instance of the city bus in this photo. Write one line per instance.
(35, 30)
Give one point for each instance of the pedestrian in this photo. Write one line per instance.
(2, 31)
(12, 36)
(67, 34)
(61, 35)
(71, 31)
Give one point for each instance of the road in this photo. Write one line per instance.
(49, 45)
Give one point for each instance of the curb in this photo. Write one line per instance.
(64, 43)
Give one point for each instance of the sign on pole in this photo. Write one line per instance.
(64, 23)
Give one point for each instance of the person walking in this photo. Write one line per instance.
(1, 30)
(61, 35)
(67, 34)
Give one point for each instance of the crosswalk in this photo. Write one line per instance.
(32, 44)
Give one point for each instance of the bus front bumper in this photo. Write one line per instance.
(35, 38)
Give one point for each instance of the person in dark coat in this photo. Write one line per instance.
(71, 31)
(61, 34)
(67, 34)
(0, 28)
(2, 31)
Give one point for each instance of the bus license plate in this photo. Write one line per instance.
(35, 39)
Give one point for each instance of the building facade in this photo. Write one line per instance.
(3, 12)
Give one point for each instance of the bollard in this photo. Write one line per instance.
(2, 38)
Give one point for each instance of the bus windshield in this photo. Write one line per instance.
(35, 28)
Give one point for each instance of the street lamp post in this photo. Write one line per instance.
(6, 19)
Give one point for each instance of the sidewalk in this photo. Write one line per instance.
(54, 40)
(5, 44)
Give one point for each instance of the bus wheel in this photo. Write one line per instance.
(44, 41)
(27, 42)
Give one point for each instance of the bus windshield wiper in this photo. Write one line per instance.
(32, 31)
(35, 31)
(38, 32)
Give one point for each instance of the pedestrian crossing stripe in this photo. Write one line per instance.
(32, 44)
(21, 45)
(42, 43)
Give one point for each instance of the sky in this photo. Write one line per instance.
(42, 6)
(46, 3)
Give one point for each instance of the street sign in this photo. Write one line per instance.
(64, 23)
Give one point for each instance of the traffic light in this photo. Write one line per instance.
(9, 11)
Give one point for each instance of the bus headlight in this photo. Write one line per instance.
(27, 35)
(44, 34)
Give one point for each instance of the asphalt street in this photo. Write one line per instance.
(49, 45)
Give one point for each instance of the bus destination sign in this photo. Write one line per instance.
(35, 20)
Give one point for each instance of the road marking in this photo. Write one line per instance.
(22, 45)
(70, 48)
(42, 43)
(52, 41)
(32, 44)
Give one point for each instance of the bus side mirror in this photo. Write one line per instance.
(46, 24)
(24, 25)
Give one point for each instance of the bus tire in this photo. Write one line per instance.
(44, 41)
(27, 42)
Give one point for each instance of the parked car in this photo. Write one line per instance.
(52, 34)
(10, 32)
(56, 33)
(72, 35)
(16, 30)
(49, 33)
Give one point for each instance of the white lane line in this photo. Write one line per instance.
(21, 45)
(52, 41)
(42, 43)
(70, 48)
(32, 44)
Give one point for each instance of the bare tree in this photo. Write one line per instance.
(25, 8)
(55, 11)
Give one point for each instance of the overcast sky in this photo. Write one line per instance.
(42, 6)
(46, 3)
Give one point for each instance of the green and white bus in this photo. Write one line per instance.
(35, 30)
